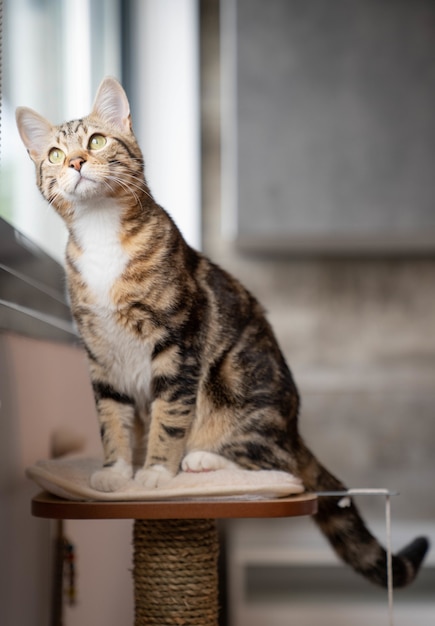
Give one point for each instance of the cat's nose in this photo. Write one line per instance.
(77, 163)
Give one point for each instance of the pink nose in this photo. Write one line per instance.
(76, 163)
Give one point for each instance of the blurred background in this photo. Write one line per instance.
(294, 144)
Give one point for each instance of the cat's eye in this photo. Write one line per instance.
(56, 156)
(96, 142)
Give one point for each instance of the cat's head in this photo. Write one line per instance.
(85, 160)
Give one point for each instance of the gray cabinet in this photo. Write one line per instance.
(330, 128)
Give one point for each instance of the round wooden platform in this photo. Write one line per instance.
(52, 507)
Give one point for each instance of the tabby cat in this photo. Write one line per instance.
(179, 351)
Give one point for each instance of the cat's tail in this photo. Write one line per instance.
(346, 531)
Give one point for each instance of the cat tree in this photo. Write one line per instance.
(175, 548)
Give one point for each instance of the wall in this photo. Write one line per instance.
(44, 389)
(357, 332)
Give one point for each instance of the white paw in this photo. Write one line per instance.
(111, 478)
(202, 461)
(153, 476)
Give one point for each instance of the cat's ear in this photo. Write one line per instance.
(111, 105)
(34, 131)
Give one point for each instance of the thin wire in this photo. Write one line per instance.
(375, 492)
(389, 560)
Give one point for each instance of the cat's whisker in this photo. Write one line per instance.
(135, 181)
(128, 187)
(125, 187)
(53, 199)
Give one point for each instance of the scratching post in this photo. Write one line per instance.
(175, 572)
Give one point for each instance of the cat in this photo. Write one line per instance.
(181, 355)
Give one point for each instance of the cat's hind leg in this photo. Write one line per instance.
(204, 461)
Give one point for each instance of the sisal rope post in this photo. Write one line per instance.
(175, 572)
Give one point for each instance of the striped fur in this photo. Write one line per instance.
(185, 368)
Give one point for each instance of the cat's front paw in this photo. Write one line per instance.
(153, 476)
(111, 478)
(203, 461)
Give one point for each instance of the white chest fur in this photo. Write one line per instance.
(103, 258)
(126, 357)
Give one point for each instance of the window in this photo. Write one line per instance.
(55, 53)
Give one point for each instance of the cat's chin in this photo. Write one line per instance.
(82, 190)
(85, 195)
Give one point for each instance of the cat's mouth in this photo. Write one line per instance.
(82, 179)
(80, 187)
(84, 183)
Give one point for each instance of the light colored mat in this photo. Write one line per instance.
(70, 478)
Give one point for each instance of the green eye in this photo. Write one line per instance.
(96, 142)
(56, 156)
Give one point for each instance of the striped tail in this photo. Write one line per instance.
(348, 534)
